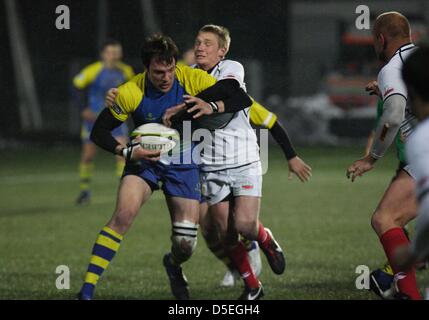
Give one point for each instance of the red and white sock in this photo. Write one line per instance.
(391, 240)
(239, 258)
(264, 237)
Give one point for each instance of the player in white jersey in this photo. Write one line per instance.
(231, 170)
(416, 77)
(231, 174)
(392, 43)
(213, 61)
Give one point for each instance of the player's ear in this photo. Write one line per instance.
(383, 41)
(223, 52)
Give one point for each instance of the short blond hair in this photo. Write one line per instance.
(221, 32)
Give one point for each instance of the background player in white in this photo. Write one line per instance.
(392, 43)
(416, 77)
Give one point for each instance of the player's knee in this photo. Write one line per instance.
(87, 159)
(123, 219)
(207, 232)
(184, 238)
(384, 219)
(247, 226)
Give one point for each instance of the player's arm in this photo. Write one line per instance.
(80, 97)
(369, 142)
(80, 90)
(226, 96)
(261, 116)
(129, 97)
(101, 133)
(206, 96)
(371, 135)
(296, 164)
(393, 92)
(228, 93)
(385, 133)
(389, 124)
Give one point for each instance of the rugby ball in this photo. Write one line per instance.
(155, 136)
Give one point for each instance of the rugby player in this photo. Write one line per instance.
(146, 98)
(211, 47)
(415, 73)
(232, 187)
(90, 86)
(215, 51)
(392, 43)
(383, 277)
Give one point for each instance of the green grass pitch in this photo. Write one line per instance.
(323, 227)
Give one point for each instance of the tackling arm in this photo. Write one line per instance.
(228, 91)
(279, 134)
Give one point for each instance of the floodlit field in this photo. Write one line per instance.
(323, 226)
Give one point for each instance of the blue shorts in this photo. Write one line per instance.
(121, 131)
(177, 181)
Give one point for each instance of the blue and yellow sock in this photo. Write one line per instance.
(120, 164)
(85, 175)
(105, 248)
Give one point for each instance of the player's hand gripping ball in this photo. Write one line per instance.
(157, 137)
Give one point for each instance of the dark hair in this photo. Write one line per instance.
(109, 42)
(416, 72)
(160, 47)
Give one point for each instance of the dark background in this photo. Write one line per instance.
(289, 49)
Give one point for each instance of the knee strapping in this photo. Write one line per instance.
(184, 239)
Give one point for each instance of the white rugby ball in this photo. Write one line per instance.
(155, 136)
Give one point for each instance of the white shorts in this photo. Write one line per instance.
(241, 181)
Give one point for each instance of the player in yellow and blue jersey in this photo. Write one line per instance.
(146, 98)
(91, 85)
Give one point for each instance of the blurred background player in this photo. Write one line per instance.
(91, 85)
(416, 77)
(207, 55)
(392, 43)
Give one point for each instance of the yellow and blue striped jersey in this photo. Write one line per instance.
(139, 99)
(146, 104)
(260, 116)
(98, 80)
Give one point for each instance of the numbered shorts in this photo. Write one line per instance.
(85, 132)
(241, 181)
